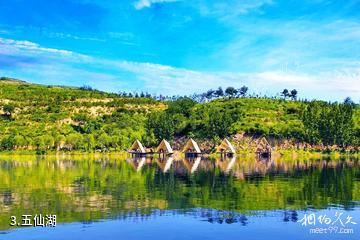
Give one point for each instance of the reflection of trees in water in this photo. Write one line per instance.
(290, 215)
(222, 217)
(94, 189)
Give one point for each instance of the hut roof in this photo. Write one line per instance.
(191, 146)
(225, 146)
(263, 144)
(164, 146)
(137, 147)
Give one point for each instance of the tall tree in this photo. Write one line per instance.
(293, 94)
(219, 92)
(242, 91)
(230, 92)
(285, 93)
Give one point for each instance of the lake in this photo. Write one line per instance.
(118, 197)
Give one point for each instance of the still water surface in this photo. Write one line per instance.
(126, 198)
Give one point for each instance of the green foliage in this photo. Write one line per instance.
(8, 109)
(161, 124)
(182, 106)
(218, 123)
(52, 118)
(329, 123)
(82, 189)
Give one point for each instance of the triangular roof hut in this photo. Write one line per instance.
(164, 147)
(263, 144)
(226, 146)
(263, 147)
(137, 147)
(191, 147)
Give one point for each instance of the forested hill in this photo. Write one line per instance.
(45, 118)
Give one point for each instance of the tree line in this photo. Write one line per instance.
(330, 123)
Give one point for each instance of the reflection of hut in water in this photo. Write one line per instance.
(263, 148)
(191, 148)
(226, 148)
(225, 165)
(178, 167)
(164, 148)
(164, 164)
(137, 163)
(137, 148)
(191, 164)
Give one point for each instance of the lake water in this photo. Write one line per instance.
(116, 197)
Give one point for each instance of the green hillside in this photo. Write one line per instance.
(44, 118)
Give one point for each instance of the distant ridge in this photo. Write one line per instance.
(7, 79)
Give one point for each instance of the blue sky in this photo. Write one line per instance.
(185, 46)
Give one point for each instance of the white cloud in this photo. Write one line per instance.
(71, 68)
(27, 48)
(147, 3)
(228, 10)
(9, 44)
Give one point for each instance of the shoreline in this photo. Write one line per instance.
(295, 154)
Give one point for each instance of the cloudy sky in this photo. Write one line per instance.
(185, 46)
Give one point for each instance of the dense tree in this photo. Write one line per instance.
(182, 106)
(285, 93)
(329, 123)
(161, 124)
(293, 94)
(210, 94)
(217, 122)
(348, 101)
(242, 91)
(219, 92)
(230, 92)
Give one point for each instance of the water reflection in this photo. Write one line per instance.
(137, 163)
(217, 190)
(164, 163)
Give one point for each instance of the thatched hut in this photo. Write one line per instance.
(191, 147)
(225, 147)
(263, 148)
(137, 147)
(164, 147)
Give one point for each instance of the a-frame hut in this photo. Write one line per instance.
(164, 147)
(263, 148)
(137, 147)
(225, 147)
(191, 147)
